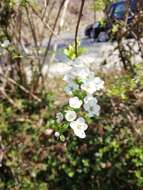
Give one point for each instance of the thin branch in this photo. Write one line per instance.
(53, 29)
(45, 9)
(46, 25)
(21, 87)
(77, 26)
(5, 95)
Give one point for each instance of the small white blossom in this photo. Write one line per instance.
(59, 117)
(57, 134)
(91, 106)
(72, 86)
(79, 126)
(99, 83)
(70, 115)
(90, 98)
(75, 102)
(80, 73)
(92, 84)
(48, 132)
(80, 134)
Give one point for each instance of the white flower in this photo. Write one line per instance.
(90, 98)
(92, 84)
(72, 86)
(59, 117)
(79, 126)
(57, 134)
(91, 106)
(75, 102)
(48, 132)
(99, 83)
(70, 115)
(80, 73)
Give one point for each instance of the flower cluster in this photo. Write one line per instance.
(81, 85)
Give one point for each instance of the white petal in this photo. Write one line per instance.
(81, 120)
(73, 124)
(75, 102)
(85, 126)
(99, 83)
(89, 98)
(57, 134)
(95, 111)
(79, 124)
(92, 84)
(70, 115)
(79, 133)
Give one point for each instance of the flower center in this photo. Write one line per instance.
(79, 127)
(91, 108)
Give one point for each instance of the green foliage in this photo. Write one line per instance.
(122, 86)
(70, 51)
(109, 158)
(99, 5)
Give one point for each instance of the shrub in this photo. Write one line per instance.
(110, 157)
